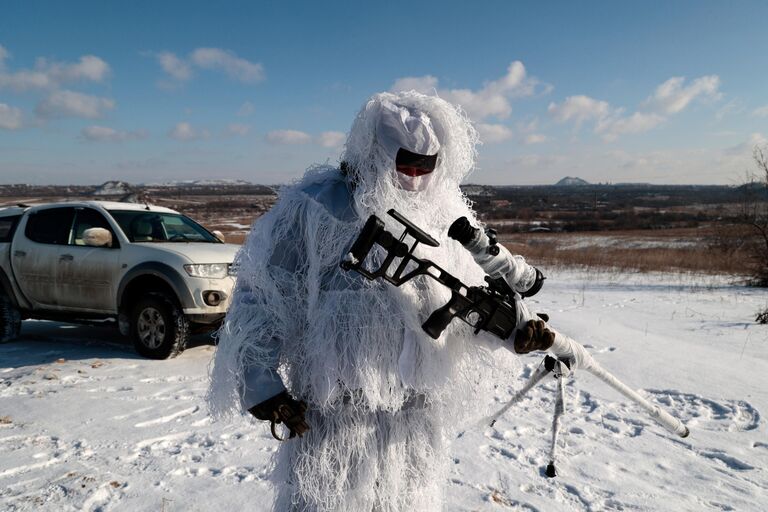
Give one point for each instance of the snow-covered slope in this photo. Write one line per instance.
(112, 188)
(86, 425)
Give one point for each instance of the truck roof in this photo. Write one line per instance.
(116, 205)
(10, 211)
(107, 205)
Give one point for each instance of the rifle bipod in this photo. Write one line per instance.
(559, 368)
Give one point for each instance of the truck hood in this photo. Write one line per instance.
(200, 252)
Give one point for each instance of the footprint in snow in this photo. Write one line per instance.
(702, 413)
(722, 457)
(500, 498)
(493, 452)
(599, 350)
(170, 417)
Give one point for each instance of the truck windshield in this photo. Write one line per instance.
(147, 226)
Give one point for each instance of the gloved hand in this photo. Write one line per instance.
(534, 335)
(283, 408)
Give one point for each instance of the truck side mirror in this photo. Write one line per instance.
(97, 237)
(218, 234)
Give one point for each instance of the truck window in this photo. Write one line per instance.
(87, 218)
(50, 226)
(143, 226)
(8, 227)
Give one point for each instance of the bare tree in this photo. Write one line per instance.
(756, 216)
(760, 154)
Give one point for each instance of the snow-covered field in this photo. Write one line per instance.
(87, 425)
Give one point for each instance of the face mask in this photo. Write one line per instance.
(414, 171)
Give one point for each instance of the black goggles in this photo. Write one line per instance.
(414, 164)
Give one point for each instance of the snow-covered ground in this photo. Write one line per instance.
(87, 425)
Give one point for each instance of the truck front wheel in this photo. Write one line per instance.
(158, 327)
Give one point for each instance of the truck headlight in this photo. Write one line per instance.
(211, 270)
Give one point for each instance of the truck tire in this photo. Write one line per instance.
(10, 320)
(158, 326)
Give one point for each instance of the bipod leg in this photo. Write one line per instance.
(560, 370)
(541, 371)
(665, 419)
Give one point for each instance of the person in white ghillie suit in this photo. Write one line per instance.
(343, 361)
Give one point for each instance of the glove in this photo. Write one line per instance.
(533, 336)
(282, 408)
(537, 284)
(462, 231)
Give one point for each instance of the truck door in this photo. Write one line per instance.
(35, 254)
(88, 275)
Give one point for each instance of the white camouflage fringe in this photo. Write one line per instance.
(381, 392)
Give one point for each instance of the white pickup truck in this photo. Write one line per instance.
(157, 272)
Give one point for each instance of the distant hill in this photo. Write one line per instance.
(570, 181)
(112, 188)
(200, 183)
(478, 190)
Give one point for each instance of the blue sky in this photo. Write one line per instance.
(663, 92)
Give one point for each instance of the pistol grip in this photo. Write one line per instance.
(441, 317)
(368, 235)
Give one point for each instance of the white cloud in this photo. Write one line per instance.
(735, 106)
(10, 117)
(515, 83)
(528, 130)
(757, 139)
(73, 104)
(89, 68)
(185, 131)
(746, 148)
(25, 80)
(288, 137)
(174, 66)
(238, 129)
(673, 96)
(246, 109)
(536, 163)
(638, 122)
(234, 66)
(97, 133)
(535, 138)
(761, 111)
(426, 84)
(50, 75)
(579, 109)
(479, 106)
(491, 100)
(609, 121)
(739, 159)
(493, 133)
(331, 139)
(215, 59)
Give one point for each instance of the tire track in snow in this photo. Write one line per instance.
(170, 417)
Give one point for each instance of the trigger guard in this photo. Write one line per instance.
(272, 425)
